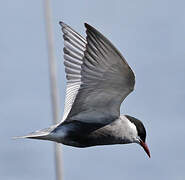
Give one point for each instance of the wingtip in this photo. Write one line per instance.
(87, 25)
(62, 23)
(90, 28)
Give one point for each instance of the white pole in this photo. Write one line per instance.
(53, 84)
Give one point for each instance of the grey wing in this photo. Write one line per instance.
(74, 47)
(106, 80)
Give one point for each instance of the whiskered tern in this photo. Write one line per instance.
(98, 80)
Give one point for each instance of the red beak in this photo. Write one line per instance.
(145, 147)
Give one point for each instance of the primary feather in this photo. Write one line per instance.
(98, 77)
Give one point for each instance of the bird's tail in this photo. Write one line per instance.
(40, 134)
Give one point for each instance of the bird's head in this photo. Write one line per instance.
(141, 133)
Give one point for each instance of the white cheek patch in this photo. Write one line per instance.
(133, 131)
(127, 130)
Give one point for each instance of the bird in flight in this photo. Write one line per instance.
(98, 80)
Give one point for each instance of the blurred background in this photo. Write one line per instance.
(150, 35)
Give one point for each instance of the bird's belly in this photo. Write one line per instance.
(89, 141)
(75, 134)
(68, 136)
(71, 135)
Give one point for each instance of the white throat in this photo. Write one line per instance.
(127, 130)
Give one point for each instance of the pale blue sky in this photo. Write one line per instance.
(150, 35)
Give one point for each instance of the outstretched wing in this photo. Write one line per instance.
(105, 79)
(74, 47)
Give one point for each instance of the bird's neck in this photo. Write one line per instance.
(121, 131)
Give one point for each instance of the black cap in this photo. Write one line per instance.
(139, 126)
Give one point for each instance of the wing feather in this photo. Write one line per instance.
(106, 80)
(74, 47)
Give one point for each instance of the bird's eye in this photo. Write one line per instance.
(138, 139)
